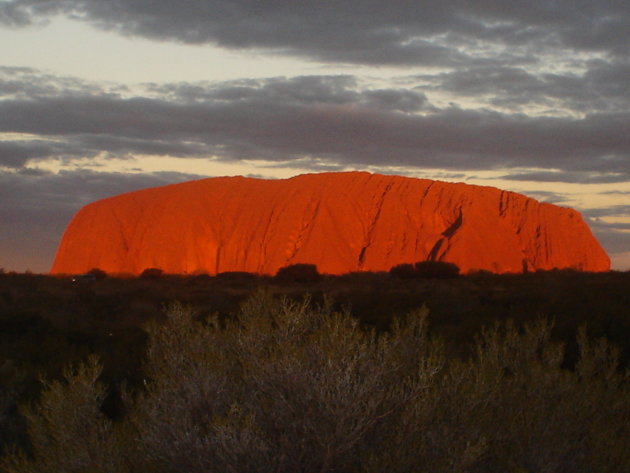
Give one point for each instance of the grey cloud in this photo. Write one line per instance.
(27, 12)
(121, 146)
(27, 83)
(16, 154)
(397, 100)
(368, 32)
(624, 227)
(439, 175)
(547, 196)
(615, 238)
(612, 211)
(332, 119)
(572, 177)
(301, 90)
(604, 86)
(616, 192)
(612, 78)
(39, 205)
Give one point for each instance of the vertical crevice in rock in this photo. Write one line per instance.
(446, 235)
(307, 222)
(453, 227)
(503, 203)
(121, 231)
(432, 256)
(426, 191)
(370, 232)
(262, 255)
(217, 259)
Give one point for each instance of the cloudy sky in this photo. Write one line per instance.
(102, 97)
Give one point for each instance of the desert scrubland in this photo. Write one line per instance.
(303, 372)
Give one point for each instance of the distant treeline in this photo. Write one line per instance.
(371, 372)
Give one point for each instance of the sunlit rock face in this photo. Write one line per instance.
(341, 222)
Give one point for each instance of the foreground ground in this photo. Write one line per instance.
(48, 323)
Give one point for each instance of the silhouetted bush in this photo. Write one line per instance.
(425, 269)
(236, 276)
(480, 273)
(152, 273)
(97, 273)
(93, 274)
(403, 271)
(436, 269)
(301, 273)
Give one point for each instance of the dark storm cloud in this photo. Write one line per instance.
(332, 119)
(357, 31)
(39, 205)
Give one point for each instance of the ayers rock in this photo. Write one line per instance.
(341, 222)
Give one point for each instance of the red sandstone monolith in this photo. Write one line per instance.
(341, 222)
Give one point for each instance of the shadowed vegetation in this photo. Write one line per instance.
(425, 269)
(228, 381)
(287, 386)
